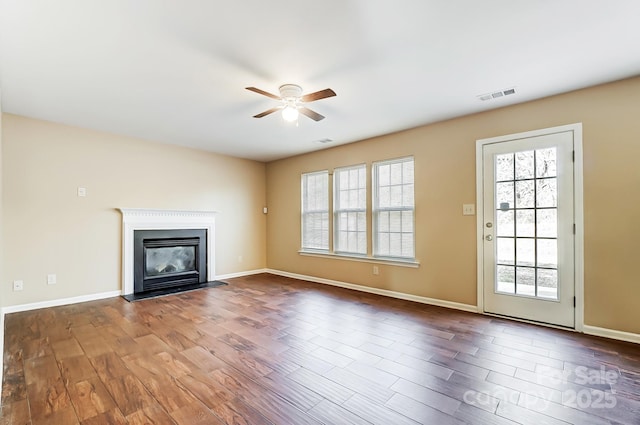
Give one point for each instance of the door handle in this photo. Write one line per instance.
(489, 238)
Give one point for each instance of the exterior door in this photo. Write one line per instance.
(528, 228)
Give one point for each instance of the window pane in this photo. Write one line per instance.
(548, 283)
(383, 221)
(524, 194)
(353, 199)
(504, 195)
(548, 253)
(396, 196)
(343, 197)
(547, 223)
(407, 245)
(353, 179)
(547, 193)
(407, 221)
(383, 244)
(407, 195)
(546, 162)
(526, 281)
(525, 252)
(395, 220)
(350, 209)
(383, 175)
(504, 167)
(506, 279)
(505, 251)
(396, 174)
(505, 223)
(407, 172)
(395, 243)
(343, 238)
(524, 165)
(362, 242)
(384, 199)
(525, 223)
(393, 208)
(315, 210)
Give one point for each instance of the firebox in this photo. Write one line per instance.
(168, 258)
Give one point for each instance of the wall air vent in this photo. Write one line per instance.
(497, 94)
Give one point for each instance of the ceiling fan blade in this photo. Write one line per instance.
(262, 92)
(267, 112)
(318, 95)
(311, 114)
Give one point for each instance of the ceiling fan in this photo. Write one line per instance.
(293, 102)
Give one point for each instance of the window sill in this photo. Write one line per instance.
(361, 258)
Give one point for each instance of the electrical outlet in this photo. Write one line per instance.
(82, 192)
(239, 258)
(18, 285)
(376, 270)
(51, 279)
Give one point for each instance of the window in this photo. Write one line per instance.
(350, 209)
(315, 210)
(393, 209)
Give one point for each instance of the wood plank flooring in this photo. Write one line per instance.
(272, 350)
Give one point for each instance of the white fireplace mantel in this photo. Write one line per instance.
(146, 219)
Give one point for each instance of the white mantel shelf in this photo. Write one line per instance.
(152, 219)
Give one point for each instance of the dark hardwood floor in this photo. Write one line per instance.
(272, 350)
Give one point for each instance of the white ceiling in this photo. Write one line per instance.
(175, 71)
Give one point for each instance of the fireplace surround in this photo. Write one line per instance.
(178, 229)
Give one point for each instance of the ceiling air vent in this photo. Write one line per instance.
(323, 141)
(497, 94)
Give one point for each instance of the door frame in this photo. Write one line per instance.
(578, 203)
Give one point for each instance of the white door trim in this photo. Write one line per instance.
(578, 211)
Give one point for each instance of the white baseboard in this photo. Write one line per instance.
(589, 330)
(99, 296)
(612, 334)
(383, 292)
(241, 274)
(59, 302)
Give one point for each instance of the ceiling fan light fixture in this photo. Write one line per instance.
(293, 102)
(290, 113)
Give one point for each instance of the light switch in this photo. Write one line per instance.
(82, 191)
(468, 209)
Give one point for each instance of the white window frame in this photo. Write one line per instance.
(404, 207)
(308, 212)
(340, 211)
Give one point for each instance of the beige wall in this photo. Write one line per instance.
(49, 229)
(445, 179)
